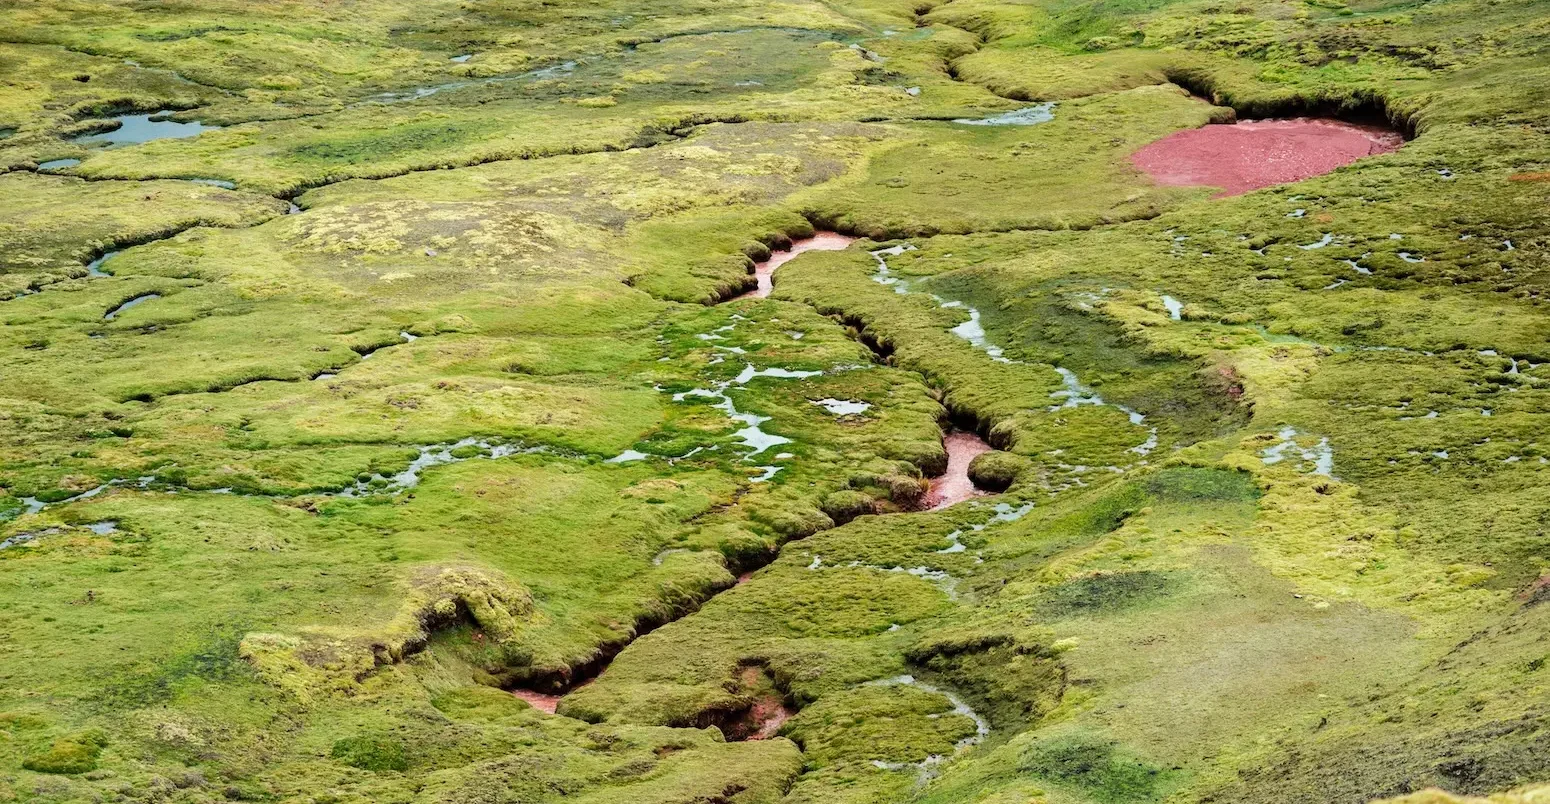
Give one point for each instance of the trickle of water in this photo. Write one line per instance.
(1026, 116)
(974, 332)
(135, 302)
(927, 767)
(94, 268)
(427, 91)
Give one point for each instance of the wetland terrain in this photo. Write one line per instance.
(1038, 402)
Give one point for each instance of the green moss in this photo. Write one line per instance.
(1102, 593)
(77, 754)
(1095, 767)
(368, 753)
(1328, 612)
(996, 471)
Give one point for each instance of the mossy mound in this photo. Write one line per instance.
(75, 754)
(996, 470)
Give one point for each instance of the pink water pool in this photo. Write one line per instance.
(1251, 154)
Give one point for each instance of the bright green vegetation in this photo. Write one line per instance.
(300, 485)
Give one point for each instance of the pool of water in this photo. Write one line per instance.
(134, 129)
(1250, 154)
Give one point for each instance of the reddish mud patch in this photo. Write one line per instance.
(768, 715)
(1251, 154)
(541, 701)
(953, 485)
(763, 271)
(546, 701)
(744, 578)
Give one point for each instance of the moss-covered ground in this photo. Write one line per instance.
(416, 379)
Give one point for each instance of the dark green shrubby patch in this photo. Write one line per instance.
(1188, 484)
(1103, 593)
(370, 753)
(1099, 769)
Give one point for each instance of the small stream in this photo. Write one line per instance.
(130, 304)
(1026, 116)
(1072, 394)
(765, 271)
(954, 486)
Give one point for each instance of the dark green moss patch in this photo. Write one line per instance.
(1104, 593)
(1099, 769)
(368, 753)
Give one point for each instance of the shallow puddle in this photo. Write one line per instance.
(843, 407)
(134, 129)
(764, 271)
(953, 485)
(1251, 154)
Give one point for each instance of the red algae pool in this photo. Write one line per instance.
(1250, 154)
